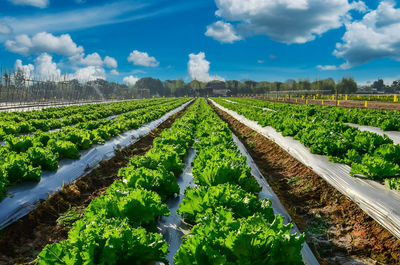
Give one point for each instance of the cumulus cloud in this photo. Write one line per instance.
(375, 36)
(35, 3)
(89, 73)
(142, 59)
(5, 29)
(288, 21)
(130, 80)
(46, 69)
(93, 59)
(114, 72)
(110, 62)
(199, 67)
(223, 32)
(27, 70)
(43, 42)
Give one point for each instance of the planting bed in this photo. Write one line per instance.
(337, 230)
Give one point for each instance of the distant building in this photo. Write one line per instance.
(222, 92)
(217, 88)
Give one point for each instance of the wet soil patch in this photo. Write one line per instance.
(52, 219)
(337, 230)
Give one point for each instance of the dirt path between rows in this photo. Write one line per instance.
(342, 103)
(337, 230)
(23, 240)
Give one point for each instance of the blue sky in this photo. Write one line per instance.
(262, 40)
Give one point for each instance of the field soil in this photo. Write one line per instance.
(336, 229)
(343, 103)
(52, 219)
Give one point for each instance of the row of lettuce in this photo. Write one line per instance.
(231, 226)
(25, 157)
(324, 131)
(387, 120)
(14, 123)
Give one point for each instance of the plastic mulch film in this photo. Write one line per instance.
(23, 198)
(395, 136)
(29, 107)
(375, 199)
(267, 192)
(172, 227)
(230, 101)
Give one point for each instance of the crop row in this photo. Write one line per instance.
(387, 120)
(25, 157)
(232, 226)
(368, 154)
(13, 123)
(119, 227)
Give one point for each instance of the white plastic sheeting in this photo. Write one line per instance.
(172, 227)
(28, 107)
(375, 199)
(230, 101)
(267, 192)
(23, 198)
(395, 136)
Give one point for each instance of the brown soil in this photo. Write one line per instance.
(23, 240)
(343, 103)
(337, 230)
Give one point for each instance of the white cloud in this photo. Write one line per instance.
(5, 29)
(26, 69)
(260, 61)
(93, 59)
(328, 67)
(82, 17)
(289, 21)
(43, 42)
(375, 36)
(89, 73)
(130, 80)
(114, 72)
(142, 59)
(36, 3)
(46, 69)
(223, 32)
(199, 67)
(110, 62)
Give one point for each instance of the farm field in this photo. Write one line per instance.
(194, 170)
(319, 125)
(351, 102)
(325, 131)
(222, 132)
(25, 155)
